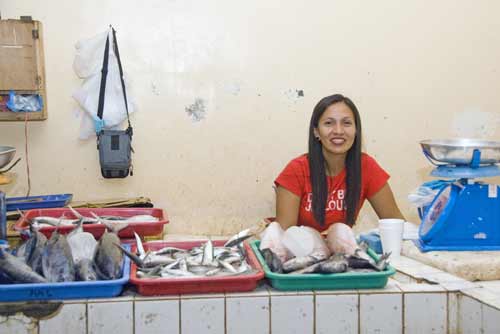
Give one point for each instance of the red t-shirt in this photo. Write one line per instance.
(296, 179)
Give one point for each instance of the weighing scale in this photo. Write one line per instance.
(465, 214)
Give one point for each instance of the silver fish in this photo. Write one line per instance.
(239, 238)
(208, 253)
(302, 262)
(57, 260)
(14, 270)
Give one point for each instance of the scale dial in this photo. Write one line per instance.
(434, 212)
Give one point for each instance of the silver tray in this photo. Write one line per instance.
(6, 155)
(459, 151)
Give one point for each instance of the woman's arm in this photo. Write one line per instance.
(384, 204)
(287, 207)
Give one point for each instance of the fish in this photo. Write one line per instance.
(361, 260)
(239, 238)
(57, 260)
(272, 260)
(14, 270)
(205, 260)
(335, 264)
(83, 246)
(125, 220)
(85, 271)
(42, 221)
(208, 254)
(31, 250)
(302, 262)
(108, 259)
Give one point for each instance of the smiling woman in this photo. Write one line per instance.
(330, 183)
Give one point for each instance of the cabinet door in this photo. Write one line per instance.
(18, 61)
(22, 67)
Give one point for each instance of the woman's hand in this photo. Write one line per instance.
(384, 204)
(287, 207)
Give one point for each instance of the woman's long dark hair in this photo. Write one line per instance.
(316, 159)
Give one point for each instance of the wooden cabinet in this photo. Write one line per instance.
(21, 66)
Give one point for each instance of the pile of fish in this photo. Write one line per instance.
(75, 257)
(205, 260)
(43, 221)
(360, 261)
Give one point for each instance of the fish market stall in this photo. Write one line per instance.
(416, 298)
(419, 298)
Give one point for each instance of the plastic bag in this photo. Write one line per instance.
(89, 53)
(341, 239)
(18, 102)
(304, 240)
(272, 238)
(87, 64)
(425, 194)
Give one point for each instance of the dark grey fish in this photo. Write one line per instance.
(272, 260)
(57, 260)
(108, 259)
(335, 264)
(14, 270)
(361, 260)
(85, 271)
(34, 249)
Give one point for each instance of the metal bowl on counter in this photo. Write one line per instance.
(460, 151)
(6, 155)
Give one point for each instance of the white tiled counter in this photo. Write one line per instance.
(419, 299)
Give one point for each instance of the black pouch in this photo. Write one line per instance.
(115, 146)
(115, 153)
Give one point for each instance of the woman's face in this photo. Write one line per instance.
(336, 129)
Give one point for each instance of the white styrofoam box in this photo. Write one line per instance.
(71, 318)
(18, 324)
(292, 314)
(337, 313)
(425, 313)
(381, 313)
(469, 315)
(202, 315)
(109, 317)
(247, 315)
(490, 322)
(157, 316)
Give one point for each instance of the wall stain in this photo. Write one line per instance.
(154, 89)
(294, 94)
(197, 110)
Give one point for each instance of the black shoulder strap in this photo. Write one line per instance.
(104, 74)
(104, 71)
(117, 53)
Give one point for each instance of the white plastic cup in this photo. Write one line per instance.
(391, 236)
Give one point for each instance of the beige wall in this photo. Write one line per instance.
(416, 69)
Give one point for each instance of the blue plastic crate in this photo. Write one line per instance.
(38, 202)
(66, 290)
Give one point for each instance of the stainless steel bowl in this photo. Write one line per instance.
(459, 151)
(6, 155)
